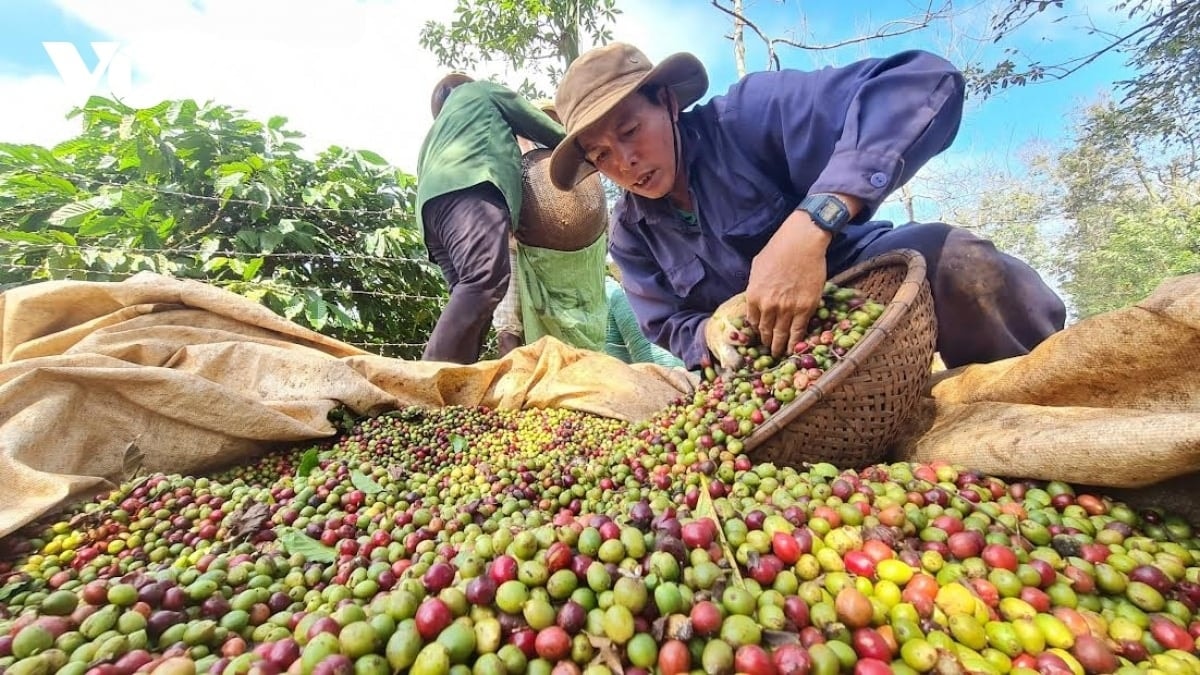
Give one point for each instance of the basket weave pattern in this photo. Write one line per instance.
(557, 219)
(851, 415)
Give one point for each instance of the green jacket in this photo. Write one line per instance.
(472, 142)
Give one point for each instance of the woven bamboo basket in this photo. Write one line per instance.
(554, 219)
(854, 412)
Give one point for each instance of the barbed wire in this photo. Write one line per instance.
(439, 300)
(222, 201)
(227, 253)
(362, 345)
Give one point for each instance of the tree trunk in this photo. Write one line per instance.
(739, 43)
(909, 201)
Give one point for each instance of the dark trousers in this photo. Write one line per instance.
(466, 233)
(989, 305)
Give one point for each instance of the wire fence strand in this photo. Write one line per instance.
(220, 200)
(441, 300)
(226, 253)
(116, 276)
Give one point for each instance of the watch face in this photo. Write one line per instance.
(830, 211)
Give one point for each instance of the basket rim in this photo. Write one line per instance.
(894, 312)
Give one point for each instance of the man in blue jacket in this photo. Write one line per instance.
(769, 190)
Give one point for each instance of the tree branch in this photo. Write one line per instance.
(772, 57)
(887, 30)
(1079, 62)
(890, 29)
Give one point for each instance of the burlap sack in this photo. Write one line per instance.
(99, 379)
(1112, 401)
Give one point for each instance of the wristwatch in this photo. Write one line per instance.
(828, 212)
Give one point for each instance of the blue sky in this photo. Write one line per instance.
(351, 72)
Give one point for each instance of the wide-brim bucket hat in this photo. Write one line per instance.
(601, 79)
(452, 80)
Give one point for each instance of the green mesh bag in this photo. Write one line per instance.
(562, 294)
(624, 337)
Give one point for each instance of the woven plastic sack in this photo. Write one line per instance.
(625, 339)
(507, 317)
(562, 294)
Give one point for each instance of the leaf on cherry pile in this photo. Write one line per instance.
(458, 443)
(948, 664)
(294, 541)
(704, 509)
(607, 654)
(12, 590)
(308, 462)
(673, 627)
(364, 482)
(773, 639)
(131, 463)
(249, 520)
(85, 520)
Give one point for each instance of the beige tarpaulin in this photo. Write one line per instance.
(1112, 401)
(100, 378)
(97, 379)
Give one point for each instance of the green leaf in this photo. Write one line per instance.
(248, 239)
(364, 482)
(372, 157)
(26, 237)
(458, 443)
(251, 268)
(269, 240)
(293, 307)
(294, 541)
(12, 589)
(208, 246)
(315, 310)
(215, 264)
(228, 182)
(100, 225)
(71, 214)
(704, 509)
(309, 461)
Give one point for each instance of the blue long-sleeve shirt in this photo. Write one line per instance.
(753, 154)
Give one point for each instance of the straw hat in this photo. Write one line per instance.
(452, 80)
(598, 81)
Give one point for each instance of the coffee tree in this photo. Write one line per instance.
(204, 192)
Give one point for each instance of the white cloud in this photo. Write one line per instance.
(660, 30)
(345, 72)
(35, 110)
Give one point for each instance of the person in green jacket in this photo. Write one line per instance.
(469, 199)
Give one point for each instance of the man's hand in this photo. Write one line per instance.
(786, 280)
(721, 331)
